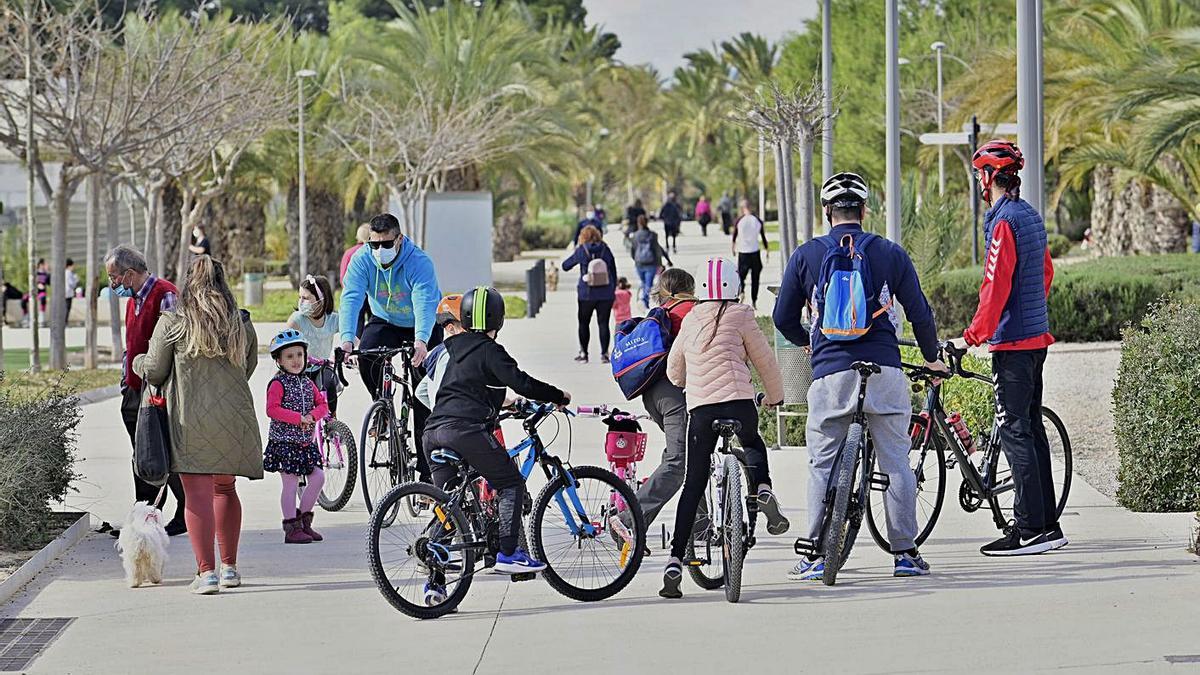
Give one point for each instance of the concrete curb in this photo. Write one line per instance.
(97, 395)
(49, 553)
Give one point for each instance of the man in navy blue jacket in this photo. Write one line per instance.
(833, 396)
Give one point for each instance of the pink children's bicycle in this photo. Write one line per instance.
(624, 446)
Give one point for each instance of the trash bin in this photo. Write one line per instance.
(252, 288)
(795, 365)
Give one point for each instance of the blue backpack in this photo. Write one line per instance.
(842, 298)
(639, 354)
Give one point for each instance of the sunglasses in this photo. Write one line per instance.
(386, 243)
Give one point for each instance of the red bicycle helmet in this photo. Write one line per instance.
(993, 157)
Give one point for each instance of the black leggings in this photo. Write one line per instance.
(602, 308)
(482, 452)
(750, 263)
(701, 441)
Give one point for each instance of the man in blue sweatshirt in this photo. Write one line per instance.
(833, 396)
(397, 279)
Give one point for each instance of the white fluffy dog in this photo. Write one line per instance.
(143, 545)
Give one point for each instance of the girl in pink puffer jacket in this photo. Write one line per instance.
(709, 361)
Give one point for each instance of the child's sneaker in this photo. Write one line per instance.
(768, 505)
(519, 562)
(435, 594)
(672, 576)
(230, 578)
(910, 565)
(206, 583)
(808, 570)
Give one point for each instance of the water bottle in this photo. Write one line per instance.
(964, 434)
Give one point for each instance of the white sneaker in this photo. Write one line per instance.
(230, 578)
(206, 583)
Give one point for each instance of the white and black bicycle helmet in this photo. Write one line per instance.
(844, 191)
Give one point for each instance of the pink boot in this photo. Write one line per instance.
(306, 523)
(293, 532)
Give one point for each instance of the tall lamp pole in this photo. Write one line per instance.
(301, 75)
(827, 90)
(1029, 103)
(892, 193)
(937, 47)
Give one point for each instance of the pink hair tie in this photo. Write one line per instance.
(310, 280)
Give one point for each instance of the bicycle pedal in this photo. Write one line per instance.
(880, 481)
(750, 542)
(696, 562)
(524, 576)
(806, 547)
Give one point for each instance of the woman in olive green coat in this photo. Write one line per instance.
(203, 354)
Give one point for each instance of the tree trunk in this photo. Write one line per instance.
(57, 303)
(169, 204)
(781, 195)
(506, 237)
(114, 238)
(807, 202)
(326, 231)
(789, 178)
(1137, 218)
(93, 276)
(465, 179)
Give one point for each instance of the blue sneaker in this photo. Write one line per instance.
(808, 570)
(519, 562)
(435, 594)
(910, 566)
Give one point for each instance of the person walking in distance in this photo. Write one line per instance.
(672, 217)
(648, 256)
(149, 298)
(596, 290)
(203, 354)
(747, 233)
(703, 214)
(1013, 318)
(621, 301)
(725, 207)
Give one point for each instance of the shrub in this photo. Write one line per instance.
(540, 236)
(37, 459)
(1059, 245)
(1089, 301)
(1155, 400)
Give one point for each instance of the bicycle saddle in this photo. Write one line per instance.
(445, 456)
(726, 427)
(865, 368)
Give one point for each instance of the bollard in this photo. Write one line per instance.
(252, 288)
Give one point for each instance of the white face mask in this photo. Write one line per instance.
(197, 234)
(385, 256)
(310, 308)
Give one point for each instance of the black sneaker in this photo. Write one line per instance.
(1014, 543)
(582, 357)
(176, 527)
(1056, 537)
(672, 576)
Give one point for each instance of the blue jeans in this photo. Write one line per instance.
(646, 274)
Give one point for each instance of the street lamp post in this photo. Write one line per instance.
(762, 185)
(1029, 105)
(301, 75)
(937, 47)
(892, 154)
(827, 90)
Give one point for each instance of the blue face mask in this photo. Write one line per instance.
(123, 292)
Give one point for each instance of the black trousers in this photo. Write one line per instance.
(380, 333)
(1018, 380)
(726, 222)
(602, 309)
(482, 452)
(701, 441)
(131, 400)
(750, 263)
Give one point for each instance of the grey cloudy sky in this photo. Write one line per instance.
(659, 32)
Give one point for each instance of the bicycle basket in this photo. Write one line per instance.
(625, 446)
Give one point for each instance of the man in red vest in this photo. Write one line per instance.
(149, 297)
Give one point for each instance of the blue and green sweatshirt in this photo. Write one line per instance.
(404, 294)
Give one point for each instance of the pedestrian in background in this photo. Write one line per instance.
(596, 290)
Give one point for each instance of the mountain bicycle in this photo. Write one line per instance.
(590, 555)
(850, 484)
(938, 447)
(719, 542)
(387, 451)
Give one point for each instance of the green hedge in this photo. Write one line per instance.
(542, 236)
(1059, 245)
(1155, 403)
(1089, 301)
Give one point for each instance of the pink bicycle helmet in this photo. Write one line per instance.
(717, 279)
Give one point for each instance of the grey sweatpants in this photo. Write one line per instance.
(666, 405)
(831, 403)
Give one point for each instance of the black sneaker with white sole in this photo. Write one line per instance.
(768, 505)
(1056, 537)
(672, 576)
(1014, 543)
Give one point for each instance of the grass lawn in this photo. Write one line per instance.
(25, 385)
(17, 360)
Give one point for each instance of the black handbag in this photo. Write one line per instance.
(152, 440)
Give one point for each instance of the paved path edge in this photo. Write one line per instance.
(49, 553)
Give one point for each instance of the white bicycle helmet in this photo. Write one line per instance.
(844, 190)
(717, 279)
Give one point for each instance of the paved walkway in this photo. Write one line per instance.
(1121, 597)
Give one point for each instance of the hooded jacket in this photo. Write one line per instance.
(474, 380)
(404, 294)
(583, 255)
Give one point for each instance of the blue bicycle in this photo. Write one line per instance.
(590, 555)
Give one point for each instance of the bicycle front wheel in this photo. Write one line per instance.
(1061, 465)
(409, 557)
(836, 520)
(927, 457)
(707, 538)
(341, 466)
(378, 463)
(733, 528)
(582, 566)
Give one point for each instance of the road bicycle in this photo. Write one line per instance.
(624, 445)
(938, 447)
(850, 484)
(590, 555)
(387, 450)
(719, 543)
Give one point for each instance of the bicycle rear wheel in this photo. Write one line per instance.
(1061, 465)
(836, 520)
(409, 553)
(341, 466)
(733, 528)
(378, 463)
(927, 457)
(581, 566)
(711, 576)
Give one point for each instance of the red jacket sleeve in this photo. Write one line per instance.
(275, 409)
(1048, 272)
(998, 269)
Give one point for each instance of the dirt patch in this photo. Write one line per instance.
(1079, 383)
(11, 561)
